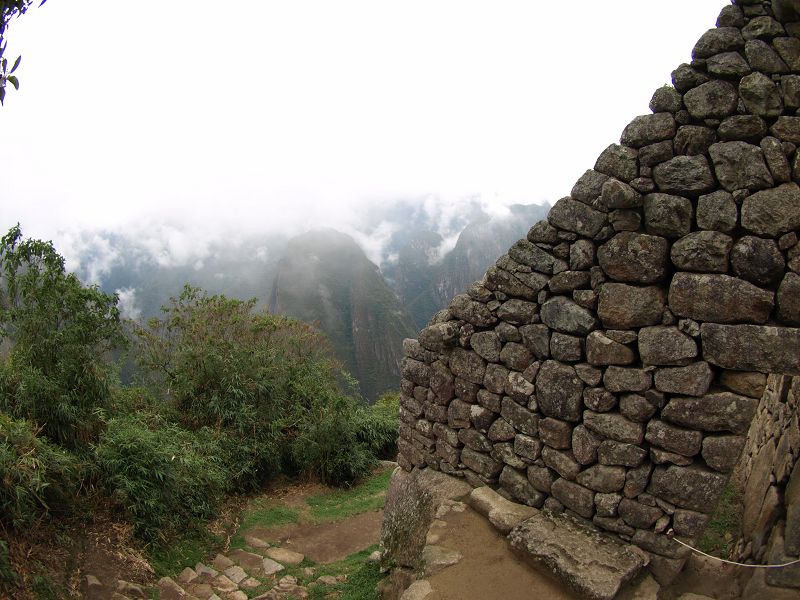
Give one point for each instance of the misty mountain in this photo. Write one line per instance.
(146, 280)
(325, 278)
(367, 289)
(426, 281)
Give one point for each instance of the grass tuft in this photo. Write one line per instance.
(723, 530)
(187, 550)
(265, 515)
(366, 496)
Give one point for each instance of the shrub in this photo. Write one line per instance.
(378, 426)
(36, 477)
(164, 477)
(266, 384)
(56, 374)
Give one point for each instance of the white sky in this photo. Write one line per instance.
(255, 115)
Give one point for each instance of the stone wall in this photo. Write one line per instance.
(604, 366)
(769, 475)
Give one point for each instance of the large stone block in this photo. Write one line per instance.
(594, 565)
(648, 129)
(757, 260)
(722, 451)
(721, 411)
(684, 175)
(661, 345)
(619, 162)
(572, 215)
(561, 461)
(621, 379)
(692, 380)
(634, 257)
(739, 165)
(685, 442)
(772, 212)
(760, 95)
(614, 426)
(719, 299)
(752, 348)
(691, 487)
(482, 464)
(711, 100)
(520, 417)
(667, 215)
(574, 496)
(559, 391)
(467, 365)
(565, 316)
(622, 306)
(520, 488)
(472, 311)
(602, 478)
(602, 350)
(702, 251)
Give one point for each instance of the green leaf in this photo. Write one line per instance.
(16, 64)
(12, 79)
(2, 95)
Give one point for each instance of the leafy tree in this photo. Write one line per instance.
(265, 383)
(8, 10)
(57, 373)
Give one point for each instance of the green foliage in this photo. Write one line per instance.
(56, 374)
(165, 477)
(725, 525)
(263, 514)
(267, 386)
(378, 426)
(7, 573)
(362, 578)
(368, 495)
(8, 10)
(36, 477)
(188, 548)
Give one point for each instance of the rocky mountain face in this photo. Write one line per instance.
(426, 279)
(325, 278)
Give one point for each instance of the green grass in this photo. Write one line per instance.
(264, 514)
(368, 495)
(187, 550)
(362, 577)
(725, 525)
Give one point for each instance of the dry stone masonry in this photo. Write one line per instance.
(604, 365)
(769, 474)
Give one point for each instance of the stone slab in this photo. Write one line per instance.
(752, 348)
(502, 513)
(592, 564)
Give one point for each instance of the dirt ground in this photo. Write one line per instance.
(489, 569)
(327, 542)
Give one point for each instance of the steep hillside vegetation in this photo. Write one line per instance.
(324, 277)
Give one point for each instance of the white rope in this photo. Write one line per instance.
(671, 533)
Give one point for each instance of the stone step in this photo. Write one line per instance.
(591, 563)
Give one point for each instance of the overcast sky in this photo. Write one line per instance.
(246, 116)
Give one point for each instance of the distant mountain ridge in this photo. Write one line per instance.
(325, 276)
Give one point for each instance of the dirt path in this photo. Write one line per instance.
(488, 569)
(326, 542)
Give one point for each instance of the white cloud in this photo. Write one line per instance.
(198, 125)
(128, 305)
